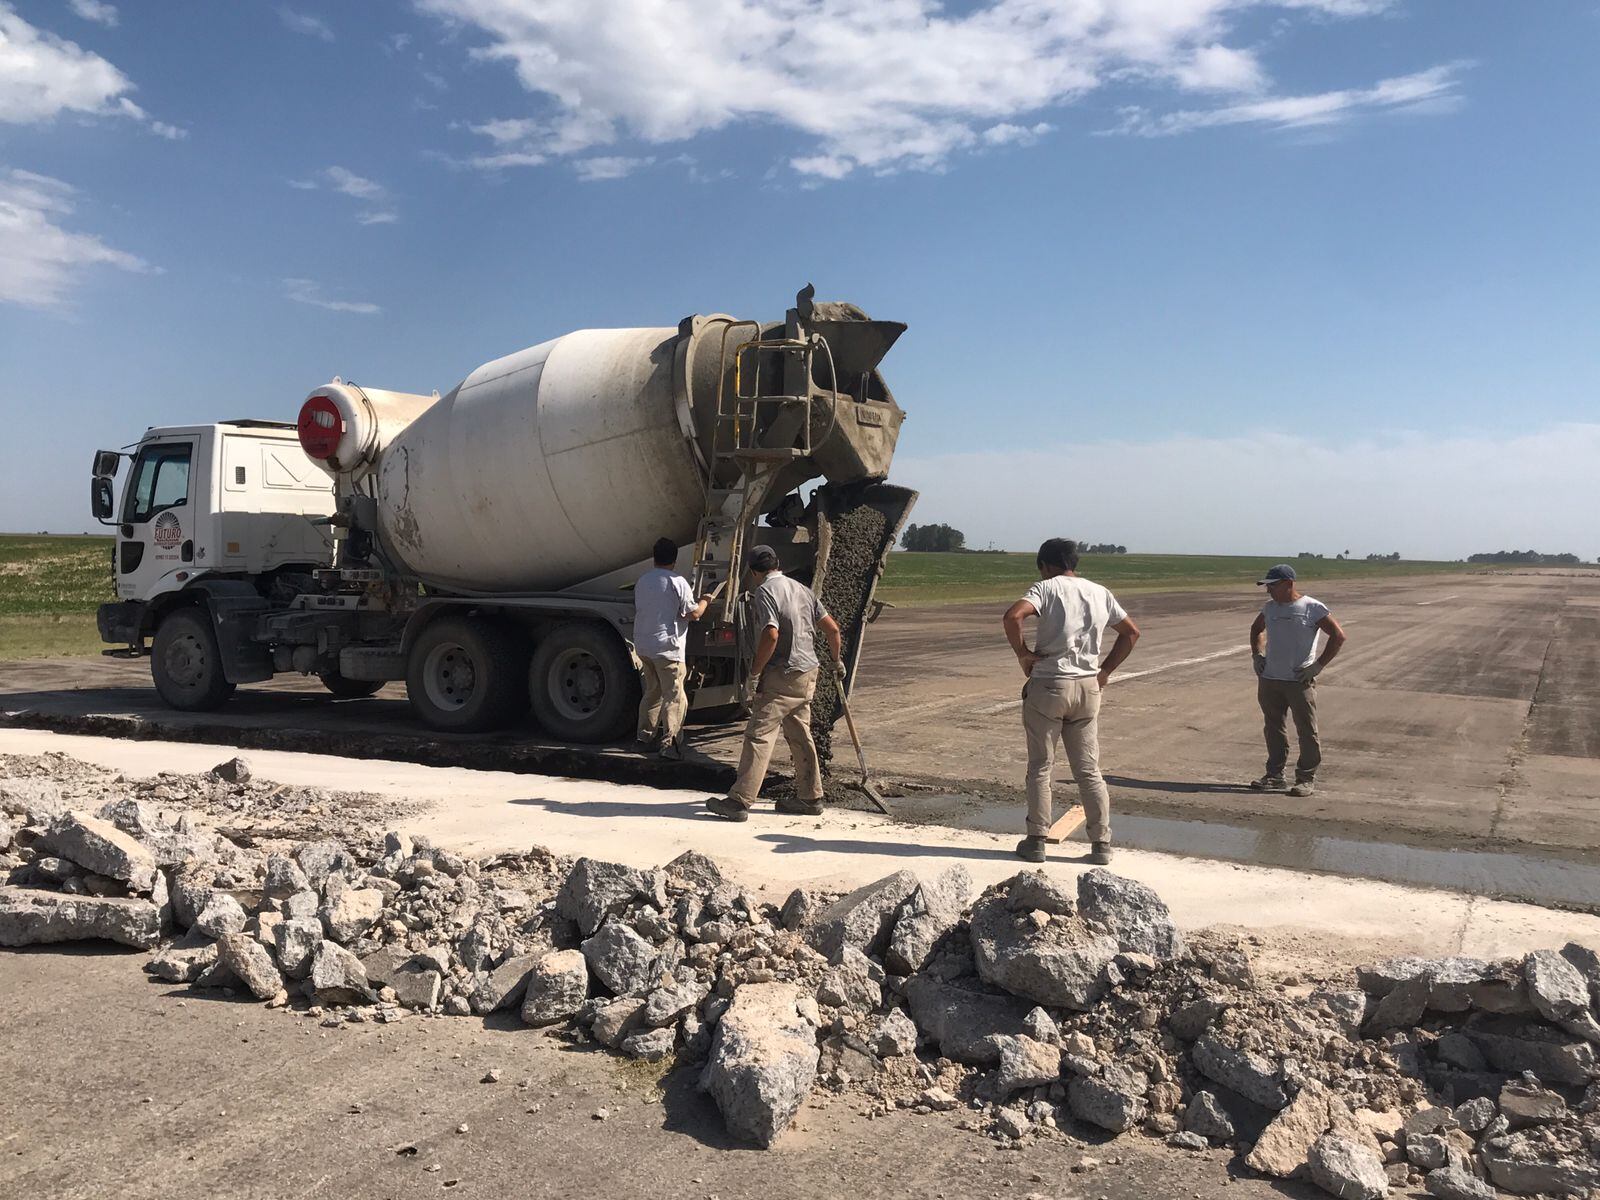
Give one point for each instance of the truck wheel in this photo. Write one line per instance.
(582, 684)
(348, 689)
(186, 664)
(465, 676)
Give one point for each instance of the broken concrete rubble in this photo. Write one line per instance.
(1049, 1007)
(30, 917)
(99, 846)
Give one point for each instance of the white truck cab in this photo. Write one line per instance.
(209, 510)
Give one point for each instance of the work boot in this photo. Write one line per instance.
(671, 751)
(1031, 849)
(726, 808)
(793, 807)
(1100, 854)
(1303, 787)
(645, 743)
(1267, 783)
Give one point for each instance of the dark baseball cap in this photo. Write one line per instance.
(1277, 574)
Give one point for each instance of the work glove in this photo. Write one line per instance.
(1307, 674)
(1259, 662)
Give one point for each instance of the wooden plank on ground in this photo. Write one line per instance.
(1067, 824)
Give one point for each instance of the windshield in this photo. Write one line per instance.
(160, 481)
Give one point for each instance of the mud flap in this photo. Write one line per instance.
(857, 526)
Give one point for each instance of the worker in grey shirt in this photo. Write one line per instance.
(663, 606)
(1062, 696)
(1283, 649)
(788, 615)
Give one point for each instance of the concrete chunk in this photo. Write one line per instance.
(1343, 1167)
(595, 890)
(101, 847)
(864, 919)
(1131, 912)
(31, 917)
(250, 962)
(1252, 1076)
(763, 1062)
(556, 987)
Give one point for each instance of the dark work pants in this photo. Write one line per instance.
(1279, 698)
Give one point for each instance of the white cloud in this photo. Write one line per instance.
(379, 205)
(40, 261)
(1426, 495)
(43, 76)
(592, 170)
(304, 23)
(309, 291)
(875, 85)
(1007, 134)
(1434, 90)
(97, 11)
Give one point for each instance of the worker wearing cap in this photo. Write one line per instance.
(663, 606)
(784, 670)
(1062, 696)
(1283, 648)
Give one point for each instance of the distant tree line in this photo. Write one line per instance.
(1101, 548)
(934, 538)
(1395, 557)
(1525, 557)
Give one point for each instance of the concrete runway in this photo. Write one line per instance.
(1461, 731)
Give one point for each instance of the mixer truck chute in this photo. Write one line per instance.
(481, 545)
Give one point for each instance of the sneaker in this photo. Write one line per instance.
(1100, 853)
(1031, 849)
(728, 810)
(1267, 783)
(789, 806)
(1304, 788)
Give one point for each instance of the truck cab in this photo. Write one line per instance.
(207, 512)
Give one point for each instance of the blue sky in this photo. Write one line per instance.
(1195, 275)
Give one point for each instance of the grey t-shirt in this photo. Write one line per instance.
(794, 611)
(662, 603)
(1073, 615)
(1291, 636)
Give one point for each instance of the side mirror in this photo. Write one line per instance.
(101, 501)
(105, 463)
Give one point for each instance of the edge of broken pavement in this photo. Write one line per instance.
(489, 811)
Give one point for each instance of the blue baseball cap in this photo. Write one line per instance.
(1277, 574)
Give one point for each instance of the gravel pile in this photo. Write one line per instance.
(1039, 1007)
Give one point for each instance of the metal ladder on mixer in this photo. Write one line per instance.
(737, 441)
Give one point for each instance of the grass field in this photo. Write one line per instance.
(917, 580)
(49, 589)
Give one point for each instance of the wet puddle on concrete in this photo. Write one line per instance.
(1503, 875)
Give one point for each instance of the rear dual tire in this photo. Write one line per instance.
(465, 675)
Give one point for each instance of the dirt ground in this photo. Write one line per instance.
(1464, 715)
(176, 1094)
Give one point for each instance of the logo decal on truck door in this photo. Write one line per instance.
(168, 532)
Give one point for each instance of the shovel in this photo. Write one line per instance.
(866, 783)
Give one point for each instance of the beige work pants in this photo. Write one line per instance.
(1279, 698)
(664, 705)
(1068, 709)
(782, 700)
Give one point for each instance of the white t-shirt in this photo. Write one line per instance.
(662, 603)
(1291, 635)
(1073, 615)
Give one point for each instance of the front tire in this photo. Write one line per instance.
(464, 675)
(582, 684)
(186, 662)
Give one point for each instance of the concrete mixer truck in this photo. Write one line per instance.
(481, 546)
